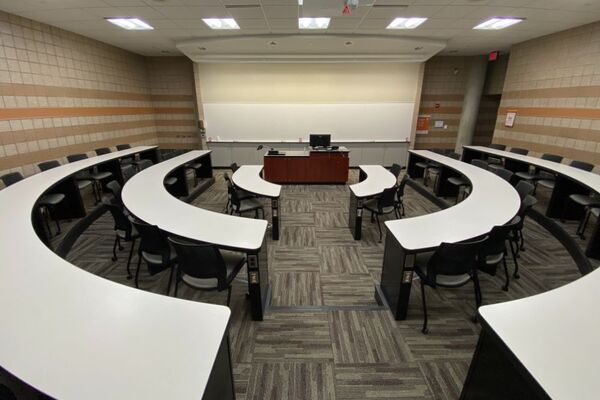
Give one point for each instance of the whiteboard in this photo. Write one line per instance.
(274, 122)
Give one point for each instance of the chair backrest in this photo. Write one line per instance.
(552, 157)
(504, 173)
(11, 178)
(233, 197)
(520, 151)
(76, 157)
(387, 198)
(123, 146)
(454, 259)
(46, 165)
(582, 165)
(395, 170)
(122, 223)
(234, 167)
(143, 164)
(128, 171)
(115, 188)
(401, 186)
(497, 146)
(495, 243)
(153, 240)
(479, 163)
(528, 202)
(200, 260)
(524, 189)
(102, 150)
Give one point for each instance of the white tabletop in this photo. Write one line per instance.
(589, 179)
(492, 201)
(146, 197)
(555, 336)
(247, 177)
(378, 179)
(74, 335)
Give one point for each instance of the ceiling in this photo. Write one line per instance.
(178, 22)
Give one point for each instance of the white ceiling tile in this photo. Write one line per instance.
(246, 12)
(284, 23)
(194, 12)
(455, 11)
(252, 23)
(374, 23)
(124, 3)
(344, 23)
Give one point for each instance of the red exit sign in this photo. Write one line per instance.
(493, 56)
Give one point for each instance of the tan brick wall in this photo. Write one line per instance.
(62, 93)
(553, 83)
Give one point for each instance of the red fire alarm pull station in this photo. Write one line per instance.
(493, 56)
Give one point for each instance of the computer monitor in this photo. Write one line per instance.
(320, 140)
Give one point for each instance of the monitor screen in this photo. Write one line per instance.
(320, 140)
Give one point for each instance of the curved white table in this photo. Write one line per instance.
(570, 180)
(73, 335)
(492, 201)
(374, 179)
(145, 196)
(248, 178)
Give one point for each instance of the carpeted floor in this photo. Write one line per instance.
(324, 336)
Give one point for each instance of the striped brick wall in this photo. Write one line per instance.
(442, 98)
(62, 93)
(553, 83)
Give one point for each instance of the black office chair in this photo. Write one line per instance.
(90, 175)
(242, 194)
(124, 231)
(590, 210)
(102, 150)
(234, 167)
(128, 171)
(451, 265)
(382, 205)
(399, 199)
(494, 250)
(395, 170)
(494, 161)
(145, 163)
(194, 167)
(240, 206)
(535, 176)
(588, 202)
(47, 165)
(427, 164)
(520, 151)
(123, 146)
(127, 160)
(115, 189)
(46, 201)
(154, 249)
(524, 189)
(517, 236)
(551, 181)
(497, 146)
(203, 266)
(503, 173)
(483, 164)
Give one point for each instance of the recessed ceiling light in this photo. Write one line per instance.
(221, 23)
(349, 43)
(132, 24)
(406, 23)
(300, 2)
(498, 23)
(419, 48)
(313, 23)
(273, 43)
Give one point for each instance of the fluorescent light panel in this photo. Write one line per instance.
(406, 23)
(498, 23)
(132, 24)
(221, 23)
(313, 23)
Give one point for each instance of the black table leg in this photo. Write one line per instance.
(355, 214)
(258, 281)
(275, 218)
(396, 276)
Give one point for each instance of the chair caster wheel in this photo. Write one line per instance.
(113, 258)
(129, 277)
(425, 331)
(516, 276)
(505, 288)
(247, 295)
(474, 319)
(121, 248)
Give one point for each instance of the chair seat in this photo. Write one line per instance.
(492, 160)
(193, 165)
(82, 184)
(249, 205)
(434, 170)
(156, 259)
(584, 199)
(123, 234)
(371, 205)
(422, 164)
(458, 181)
(421, 261)
(101, 175)
(51, 199)
(494, 167)
(233, 263)
(170, 181)
(547, 183)
(526, 176)
(493, 259)
(595, 212)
